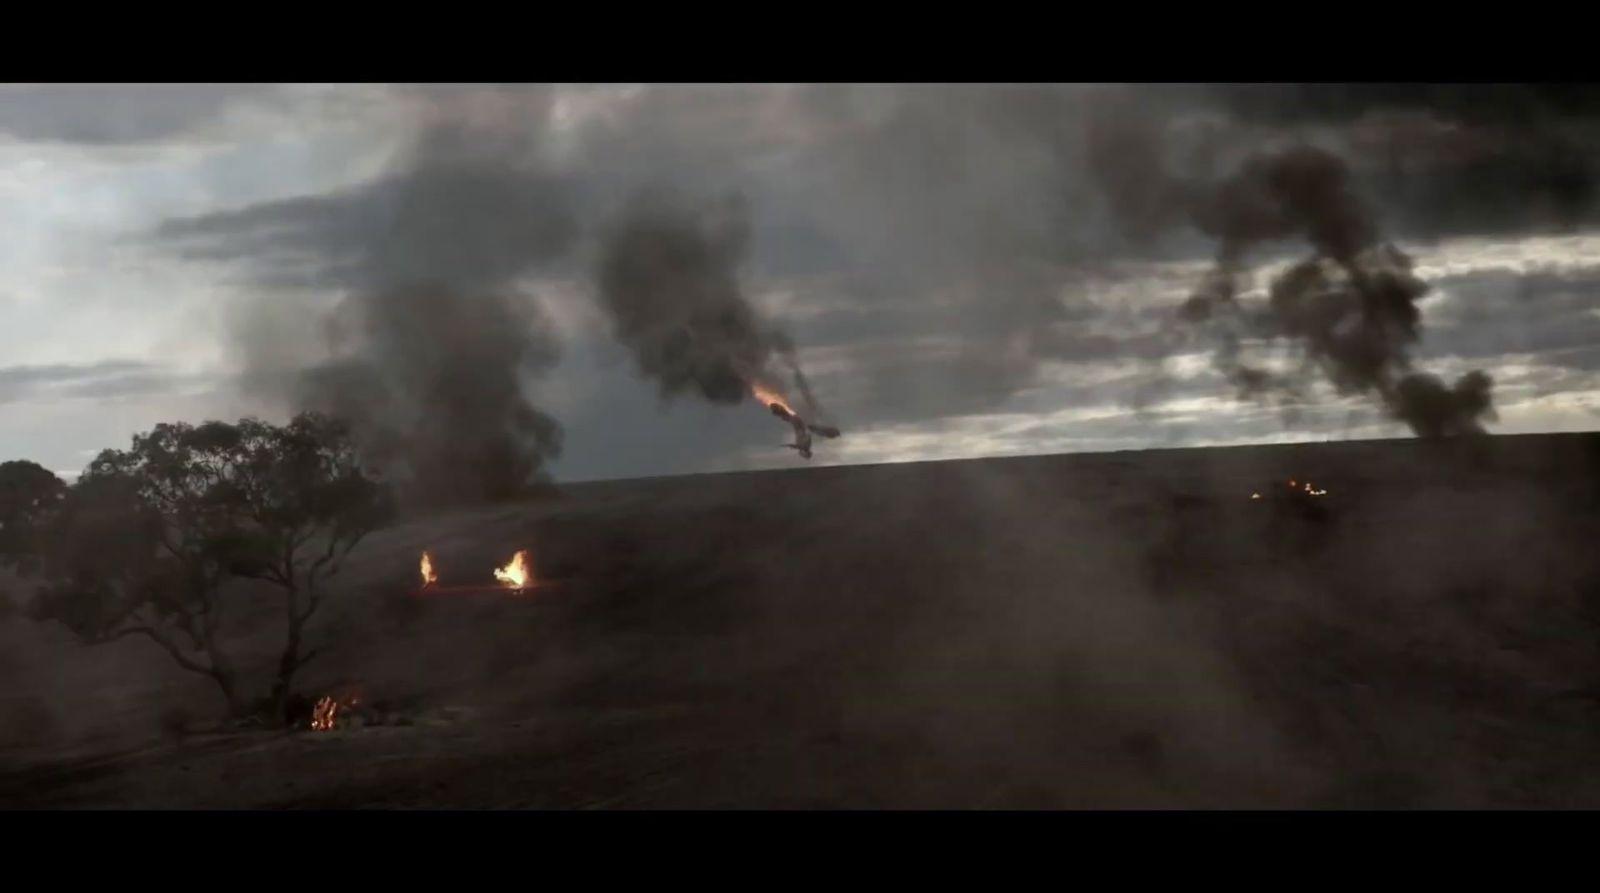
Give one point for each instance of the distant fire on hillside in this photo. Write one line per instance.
(1298, 488)
(515, 576)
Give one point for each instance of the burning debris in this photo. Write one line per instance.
(515, 575)
(668, 278)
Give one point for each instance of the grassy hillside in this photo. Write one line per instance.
(1126, 629)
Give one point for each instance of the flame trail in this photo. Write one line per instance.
(429, 577)
(769, 397)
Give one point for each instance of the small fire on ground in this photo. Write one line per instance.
(516, 574)
(429, 576)
(323, 714)
(1299, 487)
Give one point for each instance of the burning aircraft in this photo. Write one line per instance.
(803, 429)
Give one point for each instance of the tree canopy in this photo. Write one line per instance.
(28, 492)
(143, 542)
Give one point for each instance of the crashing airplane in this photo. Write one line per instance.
(802, 429)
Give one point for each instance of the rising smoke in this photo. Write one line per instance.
(434, 338)
(433, 345)
(668, 278)
(936, 236)
(1350, 308)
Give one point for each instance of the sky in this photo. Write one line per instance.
(952, 265)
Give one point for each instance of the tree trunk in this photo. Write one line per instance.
(289, 661)
(221, 669)
(237, 709)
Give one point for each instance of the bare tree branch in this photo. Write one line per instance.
(170, 646)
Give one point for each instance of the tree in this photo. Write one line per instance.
(144, 542)
(28, 492)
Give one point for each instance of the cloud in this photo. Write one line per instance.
(119, 114)
(104, 380)
(453, 218)
(934, 251)
(1470, 103)
(1445, 159)
(839, 184)
(1550, 313)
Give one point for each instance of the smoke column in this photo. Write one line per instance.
(433, 338)
(1350, 307)
(668, 279)
(437, 337)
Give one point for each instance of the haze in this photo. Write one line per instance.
(954, 280)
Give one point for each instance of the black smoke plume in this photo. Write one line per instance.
(437, 337)
(1350, 307)
(668, 277)
(434, 337)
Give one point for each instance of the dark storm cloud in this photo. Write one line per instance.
(1518, 104)
(1447, 159)
(459, 214)
(839, 182)
(931, 213)
(961, 195)
(112, 378)
(968, 217)
(54, 373)
(117, 114)
(1553, 316)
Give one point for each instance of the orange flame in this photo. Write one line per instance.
(429, 577)
(768, 396)
(323, 713)
(516, 574)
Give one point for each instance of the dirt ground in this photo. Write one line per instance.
(1096, 631)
